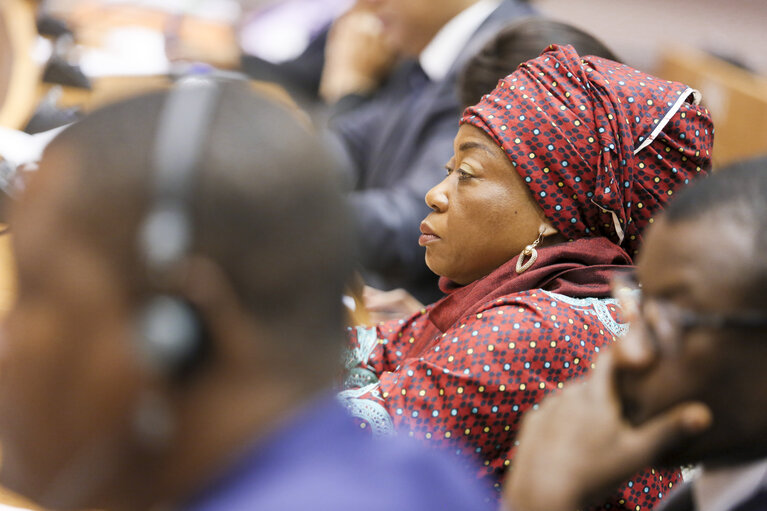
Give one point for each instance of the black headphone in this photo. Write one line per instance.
(172, 335)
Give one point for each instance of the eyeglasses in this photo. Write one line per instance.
(666, 321)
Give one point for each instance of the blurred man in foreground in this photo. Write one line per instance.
(181, 259)
(687, 385)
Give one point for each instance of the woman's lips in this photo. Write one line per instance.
(427, 235)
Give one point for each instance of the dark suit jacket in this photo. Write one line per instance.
(398, 142)
(300, 77)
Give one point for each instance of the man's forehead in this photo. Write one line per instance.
(41, 205)
(57, 175)
(699, 258)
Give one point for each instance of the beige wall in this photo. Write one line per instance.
(637, 29)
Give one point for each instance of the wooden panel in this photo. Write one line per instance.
(195, 39)
(736, 98)
(11, 499)
(19, 73)
(7, 274)
(110, 89)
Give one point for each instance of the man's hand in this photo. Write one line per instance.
(577, 447)
(357, 56)
(386, 305)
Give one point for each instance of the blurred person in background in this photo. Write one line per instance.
(178, 318)
(390, 72)
(283, 41)
(555, 175)
(519, 42)
(686, 385)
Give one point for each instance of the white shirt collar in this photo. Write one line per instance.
(442, 51)
(724, 488)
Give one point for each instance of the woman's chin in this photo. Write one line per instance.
(438, 274)
(436, 266)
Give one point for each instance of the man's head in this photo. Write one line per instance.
(266, 269)
(701, 332)
(517, 43)
(409, 25)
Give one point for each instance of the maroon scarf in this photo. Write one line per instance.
(579, 269)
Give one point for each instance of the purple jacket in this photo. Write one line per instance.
(319, 460)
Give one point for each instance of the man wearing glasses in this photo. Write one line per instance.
(688, 384)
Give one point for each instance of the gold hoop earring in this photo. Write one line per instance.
(531, 252)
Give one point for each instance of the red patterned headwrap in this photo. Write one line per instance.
(601, 146)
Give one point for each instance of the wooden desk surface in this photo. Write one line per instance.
(7, 274)
(196, 38)
(20, 74)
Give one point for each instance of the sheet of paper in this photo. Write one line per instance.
(18, 147)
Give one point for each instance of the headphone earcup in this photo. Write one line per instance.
(172, 336)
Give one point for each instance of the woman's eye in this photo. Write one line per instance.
(464, 174)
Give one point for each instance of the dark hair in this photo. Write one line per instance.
(738, 193)
(742, 185)
(268, 209)
(518, 43)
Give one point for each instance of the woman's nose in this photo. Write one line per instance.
(436, 198)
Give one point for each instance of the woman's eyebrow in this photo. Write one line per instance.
(475, 145)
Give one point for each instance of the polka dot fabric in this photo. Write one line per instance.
(467, 390)
(601, 145)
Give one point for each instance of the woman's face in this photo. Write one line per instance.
(483, 213)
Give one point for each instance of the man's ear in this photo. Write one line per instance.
(232, 331)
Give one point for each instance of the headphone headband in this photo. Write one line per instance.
(172, 335)
(166, 234)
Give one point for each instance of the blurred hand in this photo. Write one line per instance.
(577, 447)
(357, 56)
(386, 305)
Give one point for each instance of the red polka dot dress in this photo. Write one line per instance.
(601, 147)
(465, 386)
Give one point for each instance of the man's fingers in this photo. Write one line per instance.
(660, 433)
(395, 301)
(601, 380)
(368, 291)
(383, 300)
